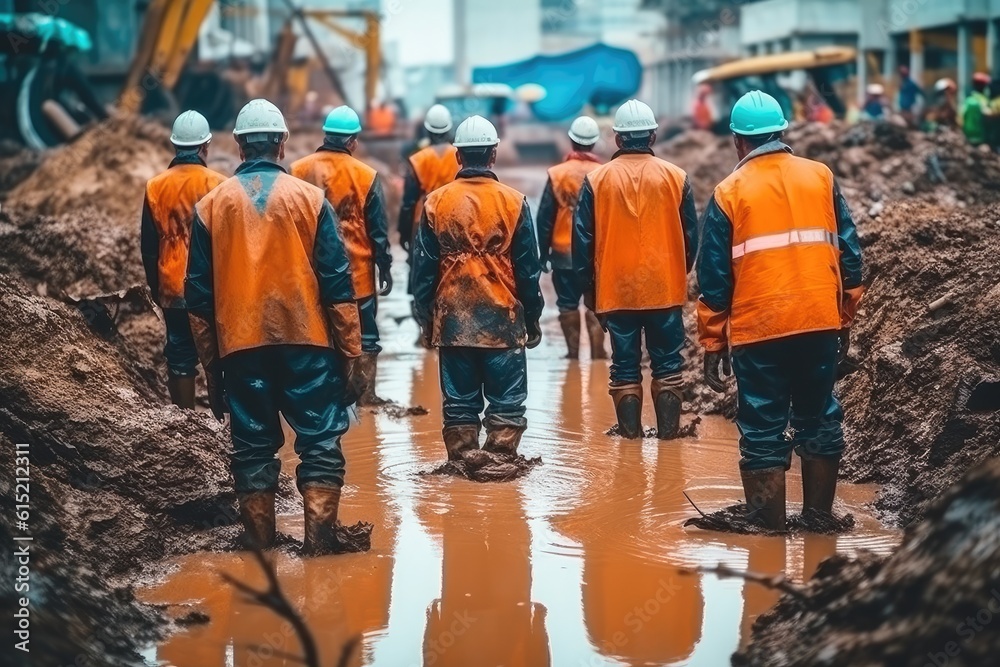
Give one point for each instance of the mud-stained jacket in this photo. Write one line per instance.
(558, 206)
(353, 188)
(476, 265)
(635, 235)
(780, 253)
(165, 232)
(430, 168)
(266, 261)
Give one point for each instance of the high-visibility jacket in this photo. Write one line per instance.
(779, 253)
(166, 225)
(558, 206)
(476, 265)
(266, 261)
(635, 235)
(352, 188)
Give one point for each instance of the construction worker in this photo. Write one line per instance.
(555, 235)
(780, 274)
(271, 299)
(355, 192)
(943, 111)
(976, 109)
(635, 240)
(875, 107)
(476, 291)
(911, 97)
(165, 236)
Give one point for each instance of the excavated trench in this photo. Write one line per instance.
(585, 560)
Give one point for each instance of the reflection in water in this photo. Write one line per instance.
(576, 564)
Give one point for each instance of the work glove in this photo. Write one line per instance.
(217, 399)
(534, 335)
(355, 384)
(385, 282)
(844, 338)
(713, 377)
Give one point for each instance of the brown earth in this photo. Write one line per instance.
(934, 602)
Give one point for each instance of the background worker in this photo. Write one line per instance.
(911, 97)
(943, 111)
(165, 236)
(976, 110)
(476, 290)
(432, 166)
(780, 273)
(270, 294)
(355, 192)
(635, 240)
(875, 106)
(555, 235)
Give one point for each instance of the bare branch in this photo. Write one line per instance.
(773, 581)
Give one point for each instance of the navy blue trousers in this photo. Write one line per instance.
(368, 309)
(665, 341)
(179, 350)
(568, 292)
(472, 377)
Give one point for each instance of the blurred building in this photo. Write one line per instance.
(487, 32)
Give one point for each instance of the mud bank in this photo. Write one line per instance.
(931, 602)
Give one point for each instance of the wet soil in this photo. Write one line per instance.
(483, 466)
(738, 519)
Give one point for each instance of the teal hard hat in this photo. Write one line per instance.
(757, 113)
(342, 120)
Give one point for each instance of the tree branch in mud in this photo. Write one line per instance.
(773, 581)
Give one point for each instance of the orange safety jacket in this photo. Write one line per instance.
(635, 236)
(778, 239)
(266, 261)
(558, 206)
(166, 226)
(430, 168)
(349, 185)
(476, 269)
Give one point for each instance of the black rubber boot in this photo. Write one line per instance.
(181, 390)
(368, 367)
(819, 483)
(596, 334)
(628, 408)
(257, 515)
(570, 322)
(765, 494)
(667, 399)
(460, 439)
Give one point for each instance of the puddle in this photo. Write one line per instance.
(576, 564)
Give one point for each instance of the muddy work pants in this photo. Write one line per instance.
(567, 287)
(179, 351)
(665, 341)
(368, 309)
(305, 384)
(471, 376)
(788, 381)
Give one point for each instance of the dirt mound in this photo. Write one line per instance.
(923, 407)
(930, 603)
(124, 480)
(105, 169)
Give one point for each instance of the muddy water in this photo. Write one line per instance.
(579, 563)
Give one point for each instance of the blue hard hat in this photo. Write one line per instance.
(342, 120)
(757, 113)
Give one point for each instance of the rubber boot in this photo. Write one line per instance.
(819, 483)
(320, 503)
(503, 439)
(596, 333)
(569, 320)
(667, 399)
(257, 515)
(765, 493)
(181, 390)
(628, 408)
(368, 368)
(459, 439)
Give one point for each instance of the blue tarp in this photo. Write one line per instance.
(599, 75)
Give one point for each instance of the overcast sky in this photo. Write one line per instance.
(420, 28)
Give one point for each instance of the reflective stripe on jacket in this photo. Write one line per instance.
(555, 215)
(635, 234)
(476, 264)
(266, 260)
(779, 251)
(168, 212)
(352, 188)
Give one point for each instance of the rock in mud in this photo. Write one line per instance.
(932, 602)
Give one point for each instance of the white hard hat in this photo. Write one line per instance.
(634, 116)
(585, 131)
(876, 89)
(438, 119)
(476, 131)
(190, 129)
(260, 117)
(944, 84)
